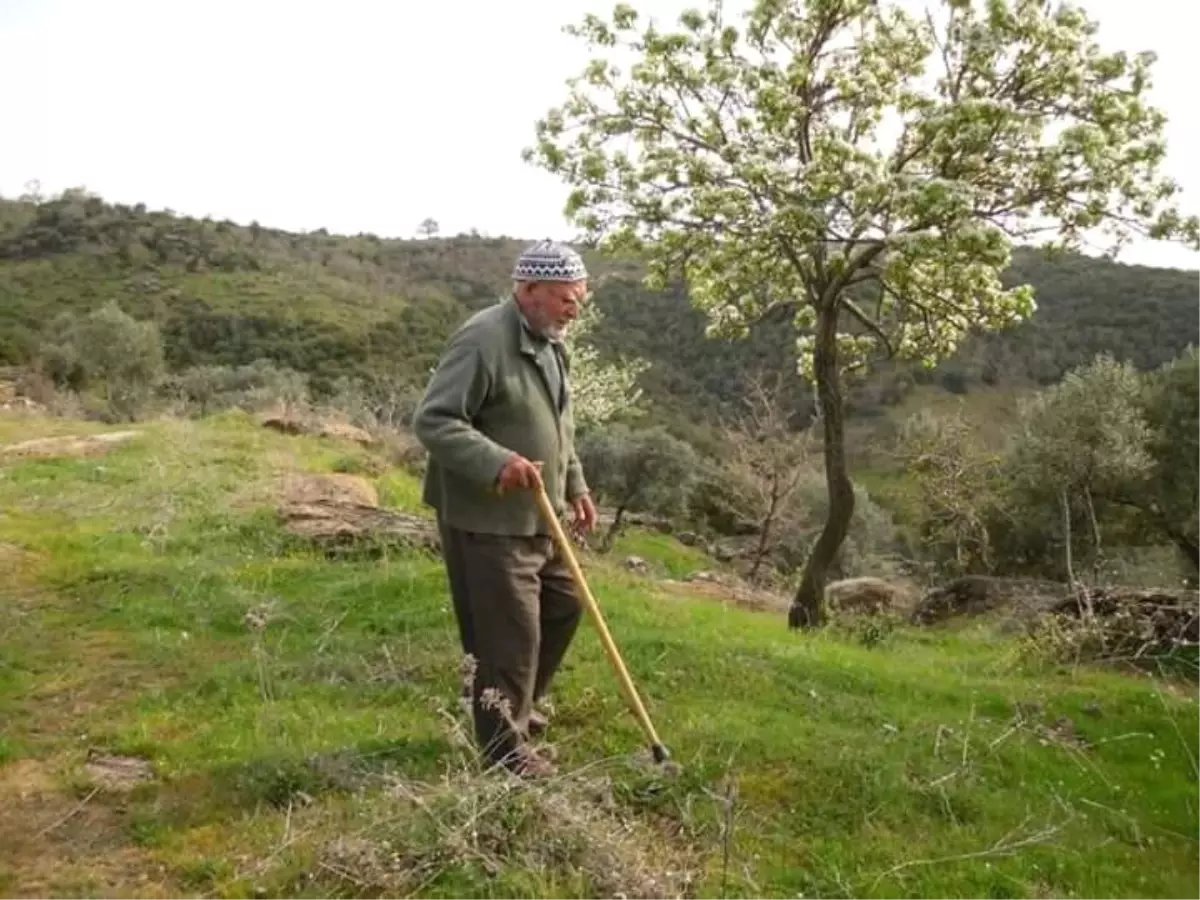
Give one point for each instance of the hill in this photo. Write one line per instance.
(195, 702)
(360, 306)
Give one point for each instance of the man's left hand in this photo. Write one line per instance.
(585, 514)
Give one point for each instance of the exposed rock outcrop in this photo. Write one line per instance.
(286, 423)
(72, 446)
(867, 596)
(341, 514)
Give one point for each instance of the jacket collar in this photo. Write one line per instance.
(531, 346)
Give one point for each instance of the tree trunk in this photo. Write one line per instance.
(1065, 507)
(610, 536)
(808, 606)
(1097, 549)
(764, 531)
(1083, 597)
(1189, 549)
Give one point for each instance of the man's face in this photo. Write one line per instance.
(551, 306)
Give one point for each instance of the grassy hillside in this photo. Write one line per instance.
(285, 724)
(359, 305)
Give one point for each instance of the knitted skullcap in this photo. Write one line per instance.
(549, 261)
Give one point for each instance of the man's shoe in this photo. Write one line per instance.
(525, 762)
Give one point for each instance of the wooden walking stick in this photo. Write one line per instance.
(657, 749)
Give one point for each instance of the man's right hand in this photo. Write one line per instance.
(518, 473)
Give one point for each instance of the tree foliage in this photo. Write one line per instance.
(770, 459)
(601, 389)
(207, 389)
(112, 350)
(1103, 465)
(1170, 498)
(864, 168)
(955, 476)
(1080, 439)
(638, 470)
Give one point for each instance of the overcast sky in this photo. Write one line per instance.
(364, 115)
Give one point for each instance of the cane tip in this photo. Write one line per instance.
(662, 756)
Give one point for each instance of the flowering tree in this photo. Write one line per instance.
(599, 390)
(866, 168)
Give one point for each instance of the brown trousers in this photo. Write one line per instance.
(517, 613)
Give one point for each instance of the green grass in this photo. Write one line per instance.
(896, 769)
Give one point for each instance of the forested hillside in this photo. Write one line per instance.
(362, 306)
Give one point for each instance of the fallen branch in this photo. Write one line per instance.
(71, 814)
(1003, 847)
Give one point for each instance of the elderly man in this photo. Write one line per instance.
(495, 418)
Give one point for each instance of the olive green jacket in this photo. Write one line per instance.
(488, 398)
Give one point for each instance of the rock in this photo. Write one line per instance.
(724, 551)
(637, 564)
(342, 432)
(286, 423)
(341, 513)
(335, 489)
(867, 595)
(688, 538)
(606, 515)
(117, 773)
(68, 446)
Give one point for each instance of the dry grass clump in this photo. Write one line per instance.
(566, 834)
(476, 825)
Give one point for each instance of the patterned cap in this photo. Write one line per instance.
(549, 261)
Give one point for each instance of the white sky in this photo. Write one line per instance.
(365, 115)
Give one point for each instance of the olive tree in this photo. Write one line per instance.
(110, 349)
(1082, 438)
(864, 167)
(1170, 498)
(642, 470)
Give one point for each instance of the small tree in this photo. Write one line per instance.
(1082, 438)
(864, 168)
(428, 228)
(955, 476)
(646, 470)
(763, 447)
(111, 349)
